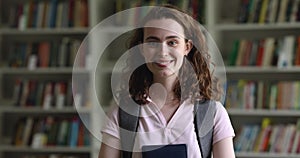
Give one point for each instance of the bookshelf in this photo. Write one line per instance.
(38, 45)
(253, 81)
(221, 24)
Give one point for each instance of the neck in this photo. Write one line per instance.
(168, 84)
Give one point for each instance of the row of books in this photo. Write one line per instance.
(49, 94)
(269, 11)
(59, 53)
(280, 52)
(268, 137)
(263, 95)
(49, 14)
(39, 132)
(195, 7)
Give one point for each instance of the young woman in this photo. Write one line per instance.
(175, 73)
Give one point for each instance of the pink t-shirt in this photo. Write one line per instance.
(154, 129)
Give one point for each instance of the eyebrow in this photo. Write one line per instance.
(156, 38)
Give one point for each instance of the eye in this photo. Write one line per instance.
(172, 43)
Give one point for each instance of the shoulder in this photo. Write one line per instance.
(223, 127)
(220, 109)
(111, 121)
(112, 112)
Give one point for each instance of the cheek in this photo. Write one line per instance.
(148, 54)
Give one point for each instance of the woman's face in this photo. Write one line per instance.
(164, 47)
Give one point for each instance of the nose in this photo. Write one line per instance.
(163, 49)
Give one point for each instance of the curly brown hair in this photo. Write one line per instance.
(196, 82)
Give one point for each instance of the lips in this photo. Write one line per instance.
(163, 63)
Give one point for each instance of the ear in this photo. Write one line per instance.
(188, 46)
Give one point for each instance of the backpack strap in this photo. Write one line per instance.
(128, 126)
(204, 121)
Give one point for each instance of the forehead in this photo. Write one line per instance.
(168, 26)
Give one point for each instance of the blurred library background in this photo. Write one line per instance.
(259, 41)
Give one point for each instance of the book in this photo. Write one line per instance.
(62, 136)
(25, 93)
(60, 91)
(286, 52)
(30, 13)
(74, 132)
(265, 138)
(297, 52)
(253, 53)
(27, 131)
(18, 86)
(258, 7)
(74, 48)
(290, 138)
(64, 52)
(54, 53)
(41, 7)
(259, 142)
(243, 11)
(77, 13)
(289, 9)
(48, 95)
(263, 11)
(84, 11)
(274, 4)
(32, 93)
(162, 151)
(247, 53)
(294, 11)
(45, 16)
(18, 135)
(234, 53)
(71, 10)
(52, 130)
(80, 136)
(39, 94)
(44, 54)
(241, 52)
(254, 133)
(260, 53)
(296, 143)
(268, 51)
(252, 8)
(59, 14)
(273, 97)
(282, 11)
(52, 13)
(243, 137)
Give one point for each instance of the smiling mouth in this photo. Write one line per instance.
(163, 63)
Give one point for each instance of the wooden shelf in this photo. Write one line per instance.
(48, 149)
(256, 69)
(54, 71)
(39, 110)
(264, 73)
(265, 155)
(44, 31)
(264, 113)
(255, 27)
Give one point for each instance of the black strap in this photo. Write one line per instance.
(204, 125)
(128, 126)
(204, 116)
